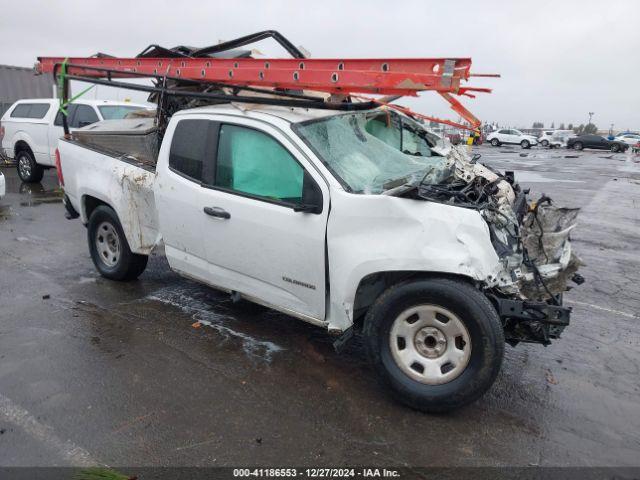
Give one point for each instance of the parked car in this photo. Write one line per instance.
(2, 185)
(560, 137)
(597, 142)
(351, 222)
(628, 138)
(29, 129)
(511, 136)
(545, 137)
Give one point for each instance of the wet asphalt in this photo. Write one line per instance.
(164, 371)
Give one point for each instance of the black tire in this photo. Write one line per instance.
(495, 142)
(615, 148)
(525, 144)
(578, 146)
(545, 143)
(123, 266)
(471, 307)
(28, 170)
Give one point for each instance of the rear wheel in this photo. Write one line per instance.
(109, 248)
(578, 146)
(495, 142)
(544, 143)
(28, 170)
(437, 343)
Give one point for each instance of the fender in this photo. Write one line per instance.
(369, 234)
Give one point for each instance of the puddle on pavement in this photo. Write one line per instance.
(193, 304)
(36, 194)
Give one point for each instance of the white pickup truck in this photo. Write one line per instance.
(360, 222)
(30, 129)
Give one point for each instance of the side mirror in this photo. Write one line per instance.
(311, 196)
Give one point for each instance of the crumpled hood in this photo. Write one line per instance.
(532, 239)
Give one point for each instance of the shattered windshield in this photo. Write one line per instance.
(374, 151)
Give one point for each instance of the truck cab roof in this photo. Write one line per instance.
(288, 114)
(83, 101)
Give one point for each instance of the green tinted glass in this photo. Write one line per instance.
(252, 162)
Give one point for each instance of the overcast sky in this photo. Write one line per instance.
(558, 60)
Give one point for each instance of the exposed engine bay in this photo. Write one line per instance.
(532, 239)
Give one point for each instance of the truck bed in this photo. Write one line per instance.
(94, 175)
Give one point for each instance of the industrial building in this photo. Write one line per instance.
(21, 82)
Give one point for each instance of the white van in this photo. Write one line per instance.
(30, 129)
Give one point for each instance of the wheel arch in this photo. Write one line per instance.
(89, 203)
(373, 284)
(22, 145)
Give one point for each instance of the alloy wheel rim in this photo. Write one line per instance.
(430, 344)
(24, 165)
(108, 244)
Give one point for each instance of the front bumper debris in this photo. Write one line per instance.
(531, 321)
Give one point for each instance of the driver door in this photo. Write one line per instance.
(248, 225)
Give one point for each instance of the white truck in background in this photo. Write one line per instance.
(30, 129)
(349, 221)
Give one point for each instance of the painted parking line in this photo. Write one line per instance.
(76, 456)
(604, 309)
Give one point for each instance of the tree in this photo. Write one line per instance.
(570, 126)
(538, 125)
(590, 128)
(579, 130)
(553, 125)
(561, 127)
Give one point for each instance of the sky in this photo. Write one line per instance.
(558, 59)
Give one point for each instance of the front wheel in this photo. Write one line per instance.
(577, 146)
(109, 248)
(495, 142)
(525, 144)
(545, 143)
(28, 170)
(436, 343)
(615, 148)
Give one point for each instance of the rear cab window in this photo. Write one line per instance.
(85, 115)
(192, 147)
(30, 110)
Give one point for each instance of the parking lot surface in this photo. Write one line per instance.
(164, 371)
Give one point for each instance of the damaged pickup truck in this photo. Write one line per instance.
(359, 221)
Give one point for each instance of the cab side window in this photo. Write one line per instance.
(71, 109)
(85, 115)
(254, 163)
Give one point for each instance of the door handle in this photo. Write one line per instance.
(217, 212)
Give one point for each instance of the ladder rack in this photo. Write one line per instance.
(277, 81)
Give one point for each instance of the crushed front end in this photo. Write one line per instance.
(531, 239)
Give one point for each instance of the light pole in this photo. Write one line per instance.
(591, 114)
